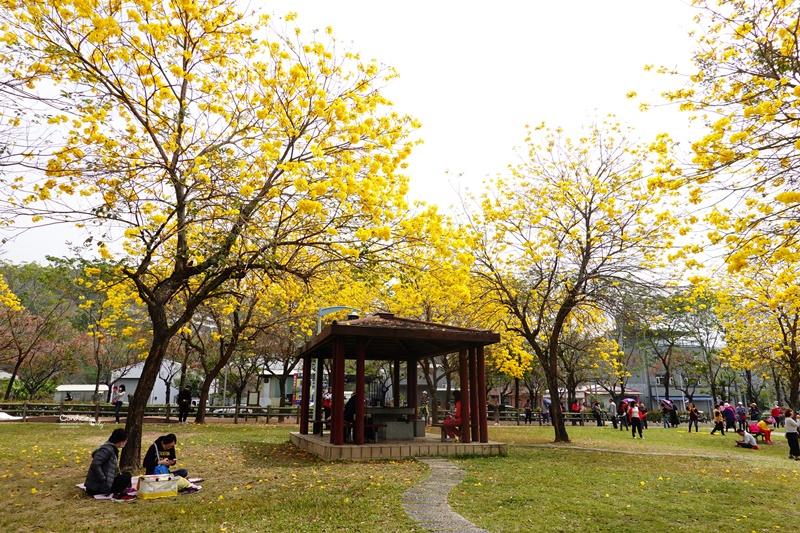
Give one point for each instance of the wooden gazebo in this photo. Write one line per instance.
(385, 337)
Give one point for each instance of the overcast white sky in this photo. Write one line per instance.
(474, 74)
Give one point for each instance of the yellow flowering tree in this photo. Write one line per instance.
(9, 304)
(706, 334)
(746, 91)
(569, 224)
(761, 315)
(432, 282)
(113, 318)
(210, 143)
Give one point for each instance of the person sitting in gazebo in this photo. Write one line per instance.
(452, 424)
(350, 416)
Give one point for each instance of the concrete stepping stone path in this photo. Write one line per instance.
(426, 502)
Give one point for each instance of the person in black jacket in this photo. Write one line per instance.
(104, 476)
(162, 452)
(184, 402)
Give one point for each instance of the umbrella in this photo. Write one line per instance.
(546, 401)
(667, 403)
(629, 400)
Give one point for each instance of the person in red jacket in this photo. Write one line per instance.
(452, 424)
(643, 414)
(777, 414)
(623, 417)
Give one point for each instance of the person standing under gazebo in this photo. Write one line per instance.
(424, 413)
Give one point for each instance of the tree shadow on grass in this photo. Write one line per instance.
(283, 454)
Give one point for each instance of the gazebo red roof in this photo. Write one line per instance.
(389, 338)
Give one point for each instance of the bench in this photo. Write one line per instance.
(348, 426)
(576, 417)
(758, 434)
(444, 433)
(317, 425)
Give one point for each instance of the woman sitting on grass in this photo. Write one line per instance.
(104, 476)
(162, 453)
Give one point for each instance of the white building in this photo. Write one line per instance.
(270, 393)
(81, 393)
(169, 372)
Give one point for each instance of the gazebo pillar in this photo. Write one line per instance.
(481, 364)
(411, 384)
(358, 427)
(475, 406)
(318, 395)
(396, 383)
(337, 417)
(463, 372)
(305, 392)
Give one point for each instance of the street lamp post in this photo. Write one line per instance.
(328, 310)
(225, 388)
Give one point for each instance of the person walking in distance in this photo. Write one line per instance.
(623, 416)
(741, 416)
(117, 398)
(598, 413)
(694, 417)
(612, 411)
(184, 402)
(643, 414)
(718, 421)
(791, 424)
(635, 420)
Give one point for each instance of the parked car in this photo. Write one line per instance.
(231, 410)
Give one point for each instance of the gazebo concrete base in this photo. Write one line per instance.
(428, 446)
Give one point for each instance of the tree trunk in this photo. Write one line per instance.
(200, 417)
(751, 393)
(130, 457)
(225, 356)
(551, 374)
(794, 384)
(776, 379)
(12, 378)
(282, 388)
(236, 405)
(96, 395)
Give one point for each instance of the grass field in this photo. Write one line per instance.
(256, 481)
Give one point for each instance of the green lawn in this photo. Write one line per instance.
(256, 481)
(670, 481)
